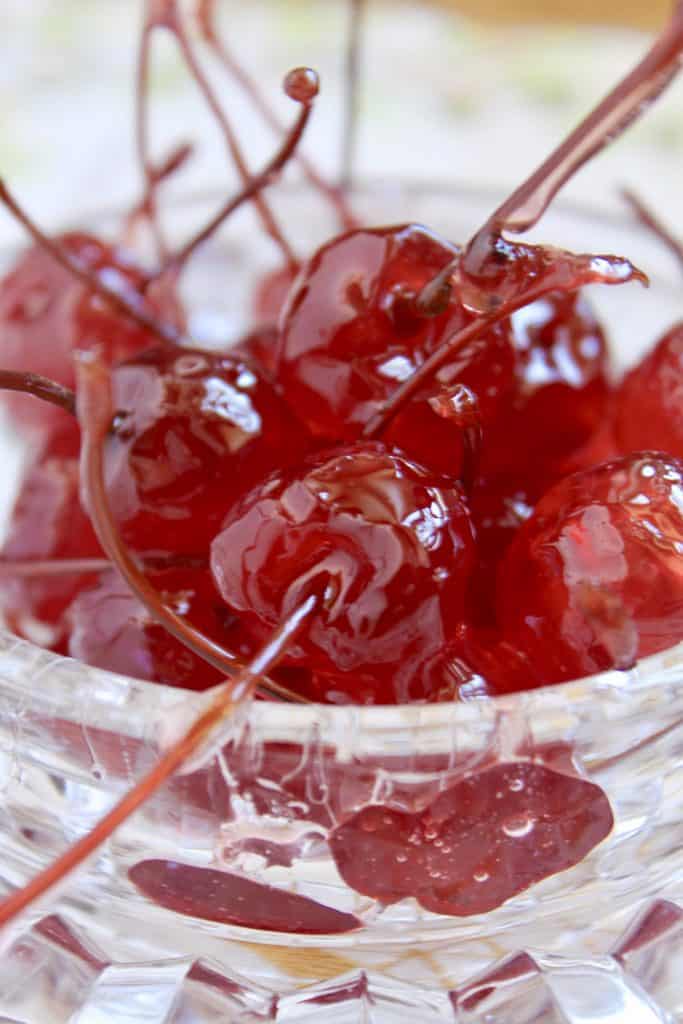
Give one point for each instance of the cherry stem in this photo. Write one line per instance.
(205, 15)
(39, 387)
(352, 92)
(648, 219)
(54, 567)
(150, 179)
(95, 416)
(80, 566)
(229, 697)
(165, 332)
(255, 185)
(173, 20)
(448, 348)
(176, 159)
(626, 102)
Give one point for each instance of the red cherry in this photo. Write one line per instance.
(40, 299)
(195, 430)
(649, 403)
(47, 522)
(499, 507)
(560, 394)
(594, 579)
(479, 843)
(111, 629)
(271, 293)
(397, 543)
(259, 347)
(351, 333)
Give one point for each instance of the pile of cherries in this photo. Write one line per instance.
(479, 535)
(494, 514)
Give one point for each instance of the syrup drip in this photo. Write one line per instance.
(352, 98)
(205, 15)
(304, 83)
(628, 101)
(461, 405)
(165, 14)
(95, 415)
(539, 271)
(655, 226)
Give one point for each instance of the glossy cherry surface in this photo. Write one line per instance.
(398, 546)
(195, 430)
(594, 579)
(351, 333)
(560, 392)
(111, 629)
(499, 506)
(649, 402)
(259, 347)
(40, 299)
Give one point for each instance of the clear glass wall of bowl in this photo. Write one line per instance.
(246, 889)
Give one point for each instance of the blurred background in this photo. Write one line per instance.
(475, 91)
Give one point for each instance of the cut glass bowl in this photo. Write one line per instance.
(223, 899)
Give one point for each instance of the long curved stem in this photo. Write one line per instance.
(653, 224)
(622, 106)
(626, 102)
(149, 203)
(28, 568)
(352, 92)
(229, 697)
(95, 415)
(206, 20)
(53, 567)
(255, 185)
(173, 20)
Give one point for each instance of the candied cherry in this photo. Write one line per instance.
(594, 578)
(48, 522)
(649, 403)
(351, 333)
(271, 293)
(45, 313)
(560, 394)
(499, 506)
(399, 545)
(259, 347)
(194, 431)
(111, 629)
